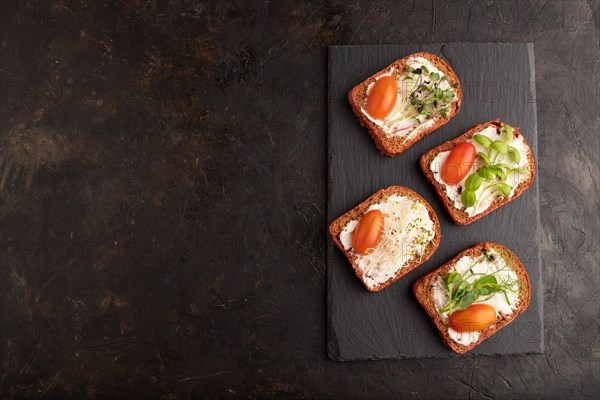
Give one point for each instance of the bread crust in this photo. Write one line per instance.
(422, 289)
(338, 225)
(392, 146)
(460, 217)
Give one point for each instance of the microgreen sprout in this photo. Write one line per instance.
(462, 293)
(428, 95)
(493, 174)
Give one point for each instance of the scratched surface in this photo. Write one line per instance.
(163, 198)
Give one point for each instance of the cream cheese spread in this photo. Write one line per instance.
(407, 231)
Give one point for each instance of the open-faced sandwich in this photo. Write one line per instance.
(475, 294)
(387, 236)
(406, 101)
(484, 168)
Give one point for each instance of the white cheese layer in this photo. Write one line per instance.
(409, 126)
(497, 301)
(454, 191)
(407, 230)
(464, 338)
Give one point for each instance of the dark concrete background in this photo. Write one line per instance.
(163, 196)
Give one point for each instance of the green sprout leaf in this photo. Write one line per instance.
(444, 112)
(504, 189)
(468, 299)
(473, 182)
(487, 173)
(499, 146)
(448, 95)
(486, 280)
(485, 157)
(439, 93)
(468, 198)
(483, 140)
(500, 172)
(434, 76)
(514, 154)
(520, 171)
(460, 288)
(424, 68)
(501, 165)
(508, 133)
(450, 279)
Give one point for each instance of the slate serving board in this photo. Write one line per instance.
(498, 82)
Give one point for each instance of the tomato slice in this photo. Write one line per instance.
(382, 97)
(476, 317)
(458, 163)
(368, 232)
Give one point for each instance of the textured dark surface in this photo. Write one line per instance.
(163, 198)
(391, 324)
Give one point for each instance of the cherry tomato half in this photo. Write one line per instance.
(382, 97)
(476, 317)
(368, 232)
(459, 162)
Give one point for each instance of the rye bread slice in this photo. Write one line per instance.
(357, 212)
(423, 291)
(460, 216)
(394, 145)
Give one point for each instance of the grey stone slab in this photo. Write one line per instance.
(498, 82)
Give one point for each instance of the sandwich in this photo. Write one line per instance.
(407, 100)
(386, 236)
(475, 294)
(484, 168)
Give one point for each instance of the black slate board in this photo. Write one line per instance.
(498, 82)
